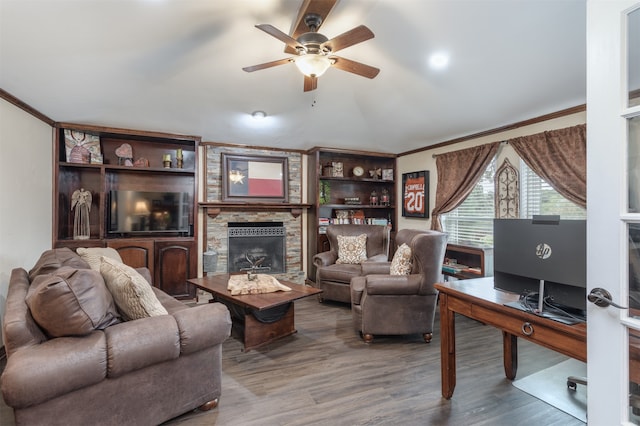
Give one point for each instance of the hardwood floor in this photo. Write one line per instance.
(326, 375)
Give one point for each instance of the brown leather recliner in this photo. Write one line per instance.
(401, 304)
(334, 278)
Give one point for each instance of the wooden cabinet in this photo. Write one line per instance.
(176, 261)
(135, 252)
(479, 258)
(139, 205)
(348, 187)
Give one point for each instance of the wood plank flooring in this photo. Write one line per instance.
(325, 375)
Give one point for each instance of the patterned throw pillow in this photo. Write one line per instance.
(401, 262)
(352, 250)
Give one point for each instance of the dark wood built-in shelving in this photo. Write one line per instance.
(330, 195)
(171, 256)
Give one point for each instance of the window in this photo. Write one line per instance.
(538, 197)
(472, 222)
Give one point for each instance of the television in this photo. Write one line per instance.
(142, 212)
(543, 256)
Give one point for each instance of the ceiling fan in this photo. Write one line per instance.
(314, 51)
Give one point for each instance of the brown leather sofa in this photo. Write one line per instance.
(334, 278)
(138, 372)
(401, 304)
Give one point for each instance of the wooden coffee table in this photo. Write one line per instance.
(257, 319)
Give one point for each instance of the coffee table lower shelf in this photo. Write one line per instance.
(253, 331)
(257, 319)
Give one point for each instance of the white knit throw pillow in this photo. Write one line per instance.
(132, 293)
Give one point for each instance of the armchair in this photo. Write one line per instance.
(401, 304)
(334, 278)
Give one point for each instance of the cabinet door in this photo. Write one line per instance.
(135, 253)
(176, 262)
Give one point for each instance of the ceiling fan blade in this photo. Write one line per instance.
(310, 83)
(351, 37)
(273, 31)
(267, 65)
(317, 7)
(354, 67)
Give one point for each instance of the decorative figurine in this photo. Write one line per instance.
(125, 155)
(166, 161)
(384, 197)
(81, 202)
(179, 158)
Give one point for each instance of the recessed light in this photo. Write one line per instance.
(439, 60)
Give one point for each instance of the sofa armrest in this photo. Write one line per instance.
(376, 268)
(202, 326)
(356, 288)
(58, 366)
(393, 284)
(325, 258)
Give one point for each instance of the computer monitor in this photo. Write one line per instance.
(544, 255)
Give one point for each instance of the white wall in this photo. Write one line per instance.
(424, 160)
(25, 191)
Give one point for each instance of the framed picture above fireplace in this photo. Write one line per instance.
(255, 178)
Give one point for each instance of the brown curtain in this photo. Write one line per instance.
(560, 158)
(458, 172)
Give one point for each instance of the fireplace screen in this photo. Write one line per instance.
(257, 245)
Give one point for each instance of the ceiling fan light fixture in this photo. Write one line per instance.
(259, 115)
(313, 65)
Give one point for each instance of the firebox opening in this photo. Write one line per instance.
(258, 246)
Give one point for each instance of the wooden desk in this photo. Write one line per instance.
(477, 299)
(257, 319)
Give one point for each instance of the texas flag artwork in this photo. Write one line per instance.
(255, 178)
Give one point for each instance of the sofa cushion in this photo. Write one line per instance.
(93, 255)
(132, 293)
(341, 273)
(71, 302)
(352, 249)
(134, 345)
(401, 262)
(53, 259)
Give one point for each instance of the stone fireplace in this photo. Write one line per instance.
(256, 245)
(219, 215)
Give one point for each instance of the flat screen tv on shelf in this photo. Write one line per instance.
(141, 212)
(544, 255)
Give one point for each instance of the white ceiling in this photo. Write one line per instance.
(176, 66)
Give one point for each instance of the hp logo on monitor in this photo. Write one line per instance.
(543, 251)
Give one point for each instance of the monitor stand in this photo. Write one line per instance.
(526, 306)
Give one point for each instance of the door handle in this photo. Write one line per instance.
(601, 297)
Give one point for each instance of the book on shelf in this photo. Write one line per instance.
(454, 268)
(326, 221)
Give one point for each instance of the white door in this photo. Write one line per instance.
(613, 205)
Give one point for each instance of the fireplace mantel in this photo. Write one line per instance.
(213, 209)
